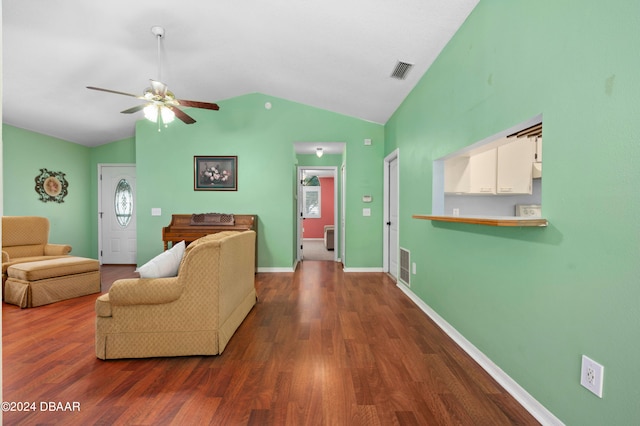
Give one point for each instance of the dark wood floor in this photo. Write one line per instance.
(320, 348)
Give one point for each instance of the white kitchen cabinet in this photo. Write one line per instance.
(515, 164)
(507, 169)
(473, 174)
(456, 175)
(482, 172)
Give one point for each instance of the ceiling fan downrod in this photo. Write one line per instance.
(158, 32)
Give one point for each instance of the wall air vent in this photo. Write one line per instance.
(401, 70)
(405, 261)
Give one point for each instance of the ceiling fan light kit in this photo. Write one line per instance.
(161, 104)
(153, 112)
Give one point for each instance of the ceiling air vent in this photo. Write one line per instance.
(401, 70)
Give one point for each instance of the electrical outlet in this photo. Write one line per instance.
(456, 212)
(592, 375)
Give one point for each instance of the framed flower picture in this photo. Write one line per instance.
(215, 173)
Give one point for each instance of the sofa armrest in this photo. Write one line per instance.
(5, 256)
(56, 249)
(145, 291)
(103, 306)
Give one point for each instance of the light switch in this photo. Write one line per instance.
(366, 212)
(156, 211)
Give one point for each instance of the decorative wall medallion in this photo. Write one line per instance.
(51, 186)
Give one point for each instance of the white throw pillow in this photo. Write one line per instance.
(165, 264)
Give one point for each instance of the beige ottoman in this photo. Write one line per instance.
(47, 281)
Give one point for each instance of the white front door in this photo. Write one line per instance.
(117, 214)
(393, 217)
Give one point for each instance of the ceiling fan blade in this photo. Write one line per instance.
(134, 109)
(159, 88)
(187, 119)
(112, 91)
(198, 104)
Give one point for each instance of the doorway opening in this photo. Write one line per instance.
(325, 158)
(318, 210)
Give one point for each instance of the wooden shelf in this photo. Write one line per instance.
(489, 221)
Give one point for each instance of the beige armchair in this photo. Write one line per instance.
(26, 239)
(195, 313)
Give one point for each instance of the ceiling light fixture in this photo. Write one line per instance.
(161, 105)
(152, 112)
(319, 152)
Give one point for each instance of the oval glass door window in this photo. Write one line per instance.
(123, 203)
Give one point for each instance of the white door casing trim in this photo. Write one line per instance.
(394, 155)
(334, 170)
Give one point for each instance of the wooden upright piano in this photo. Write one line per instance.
(182, 229)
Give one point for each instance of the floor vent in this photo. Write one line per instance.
(401, 70)
(405, 261)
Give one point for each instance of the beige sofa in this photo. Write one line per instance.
(195, 313)
(26, 239)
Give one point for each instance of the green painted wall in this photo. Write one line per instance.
(263, 141)
(312, 160)
(535, 300)
(25, 153)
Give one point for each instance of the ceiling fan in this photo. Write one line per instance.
(161, 105)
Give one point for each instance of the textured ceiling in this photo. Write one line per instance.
(332, 54)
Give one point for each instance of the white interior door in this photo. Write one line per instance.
(300, 217)
(393, 218)
(117, 214)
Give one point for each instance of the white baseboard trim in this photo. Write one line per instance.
(362, 269)
(529, 403)
(271, 270)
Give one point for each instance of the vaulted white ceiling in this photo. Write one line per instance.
(332, 54)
